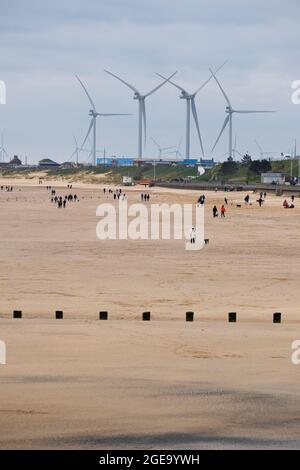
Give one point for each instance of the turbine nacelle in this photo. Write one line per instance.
(138, 96)
(184, 95)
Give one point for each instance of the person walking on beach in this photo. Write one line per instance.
(223, 210)
(193, 235)
(226, 201)
(215, 211)
(260, 201)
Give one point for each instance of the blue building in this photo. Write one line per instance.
(115, 162)
(188, 162)
(207, 164)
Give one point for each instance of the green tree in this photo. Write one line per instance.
(229, 167)
(246, 160)
(260, 166)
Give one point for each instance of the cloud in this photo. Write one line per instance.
(44, 44)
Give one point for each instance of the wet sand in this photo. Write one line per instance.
(82, 383)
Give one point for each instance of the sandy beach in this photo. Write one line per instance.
(124, 383)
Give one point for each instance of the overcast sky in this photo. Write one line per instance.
(43, 44)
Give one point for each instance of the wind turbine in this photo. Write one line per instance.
(142, 107)
(94, 114)
(234, 150)
(2, 149)
(262, 153)
(190, 105)
(230, 111)
(161, 149)
(177, 152)
(77, 150)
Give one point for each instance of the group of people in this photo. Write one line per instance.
(117, 194)
(7, 188)
(262, 198)
(145, 197)
(60, 201)
(216, 212)
(286, 205)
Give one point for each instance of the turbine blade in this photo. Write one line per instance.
(172, 83)
(194, 111)
(251, 112)
(75, 140)
(221, 132)
(209, 79)
(74, 153)
(88, 132)
(87, 93)
(157, 145)
(260, 148)
(220, 86)
(160, 85)
(113, 114)
(123, 81)
(179, 144)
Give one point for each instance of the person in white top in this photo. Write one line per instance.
(193, 235)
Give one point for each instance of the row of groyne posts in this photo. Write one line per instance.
(146, 316)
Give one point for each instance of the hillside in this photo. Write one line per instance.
(227, 172)
(237, 172)
(100, 174)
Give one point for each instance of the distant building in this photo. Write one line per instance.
(15, 161)
(115, 162)
(188, 162)
(47, 163)
(207, 164)
(272, 178)
(68, 165)
(127, 181)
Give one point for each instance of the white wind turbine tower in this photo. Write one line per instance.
(94, 114)
(142, 108)
(262, 153)
(230, 111)
(161, 149)
(2, 149)
(190, 105)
